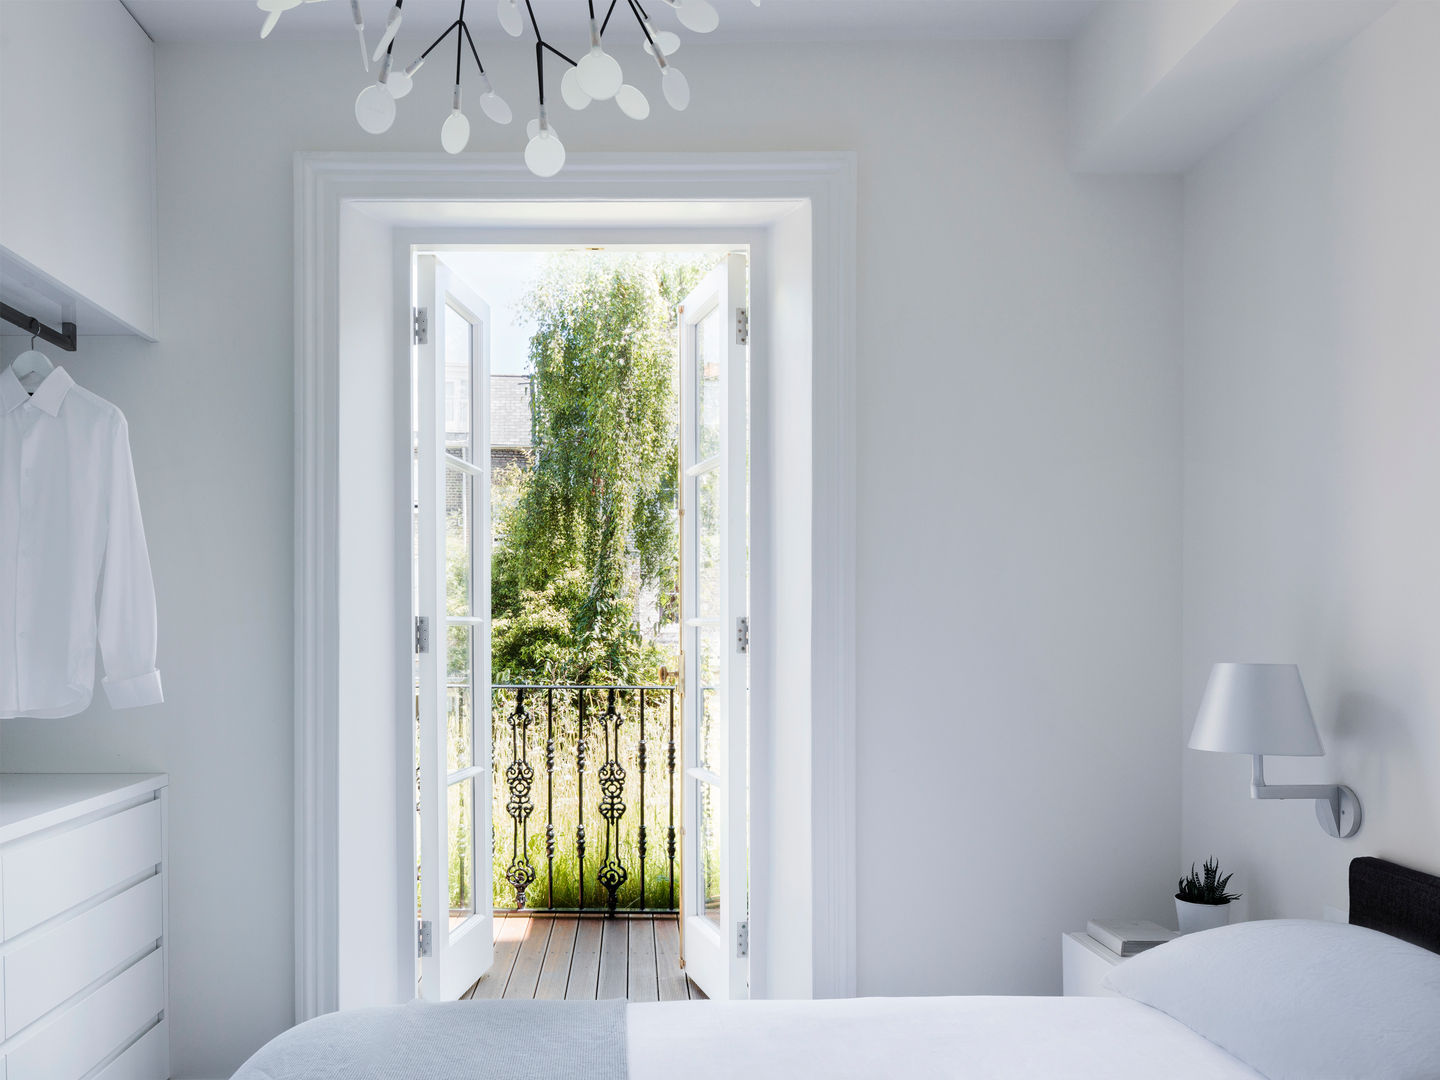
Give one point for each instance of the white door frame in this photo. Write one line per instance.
(327, 184)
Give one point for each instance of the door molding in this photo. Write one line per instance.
(324, 184)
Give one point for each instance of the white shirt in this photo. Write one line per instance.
(70, 541)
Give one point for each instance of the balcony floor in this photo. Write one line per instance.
(586, 958)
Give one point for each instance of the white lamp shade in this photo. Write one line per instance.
(1256, 709)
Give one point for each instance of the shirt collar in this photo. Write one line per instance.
(52, 391)
(47, 397)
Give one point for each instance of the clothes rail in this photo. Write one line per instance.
(64, 338)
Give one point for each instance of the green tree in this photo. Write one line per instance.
(593, 527)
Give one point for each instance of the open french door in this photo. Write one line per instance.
(451, 419)
(714, 331)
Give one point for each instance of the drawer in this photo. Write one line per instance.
(147, 1059)
(50, 874)
(69, 956)
(73, 1043)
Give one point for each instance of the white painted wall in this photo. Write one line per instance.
(783, 874)
(1019, 332)
(1155, 86)
(1312, 516)
(77, 161)
(374, 611)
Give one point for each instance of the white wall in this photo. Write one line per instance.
(1312, 516)
(374, 611)
(1018, 510)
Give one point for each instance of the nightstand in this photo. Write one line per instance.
(1084, 963)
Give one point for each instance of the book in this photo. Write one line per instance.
(1127, 937)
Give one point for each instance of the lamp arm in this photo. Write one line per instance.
(1334, 795)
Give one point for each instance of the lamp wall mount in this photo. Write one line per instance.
(1337, 807)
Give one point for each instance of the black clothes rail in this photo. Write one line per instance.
(64, 338)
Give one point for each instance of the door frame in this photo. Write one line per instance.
(422, 192)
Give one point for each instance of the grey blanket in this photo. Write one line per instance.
(459, 1040)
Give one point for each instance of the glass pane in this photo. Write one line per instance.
(461, 816)
(459, 538)
(709, 805)
(707, 521)
(459, 343)
(709, 749)
(707, 385)
(459, 699)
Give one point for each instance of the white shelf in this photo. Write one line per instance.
(30, 802)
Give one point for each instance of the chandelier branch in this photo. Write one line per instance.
(473, 51)
(439, 39)
(606, 23)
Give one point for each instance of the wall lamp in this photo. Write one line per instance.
(1260, 709)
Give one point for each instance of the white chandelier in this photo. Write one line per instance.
(596, 76)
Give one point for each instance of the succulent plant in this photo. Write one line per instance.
(1206, 886)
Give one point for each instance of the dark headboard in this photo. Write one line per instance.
(1396, 900)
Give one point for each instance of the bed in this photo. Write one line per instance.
(1278, 999)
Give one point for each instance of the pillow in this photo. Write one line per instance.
(1297, 999)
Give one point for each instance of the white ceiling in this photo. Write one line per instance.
(775, 20)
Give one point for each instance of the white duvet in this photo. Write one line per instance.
(974, 1038)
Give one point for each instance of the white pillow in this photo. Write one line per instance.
(1297, 999)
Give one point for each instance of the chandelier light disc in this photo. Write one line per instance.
(375, 109)
(697, 15)
(399, 84)
(545, 153)
(455, 132)
(633, 103)
(676, 88)
(276, 5)
(599, 74)
(392, 27)
(668, 40)
(496, 108)
(571, 90)
(510, 18)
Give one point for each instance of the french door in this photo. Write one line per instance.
(714, 331)
(451, 417)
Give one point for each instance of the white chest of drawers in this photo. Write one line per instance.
(82, 927)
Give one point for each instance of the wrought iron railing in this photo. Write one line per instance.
(595, 748)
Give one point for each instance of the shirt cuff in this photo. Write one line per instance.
(135, 691)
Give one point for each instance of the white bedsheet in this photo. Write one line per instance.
(977, 1038)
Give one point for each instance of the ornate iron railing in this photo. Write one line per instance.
(556, 730)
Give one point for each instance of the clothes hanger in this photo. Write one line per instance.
(32, 367)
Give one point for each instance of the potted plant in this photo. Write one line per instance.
(1202, 902)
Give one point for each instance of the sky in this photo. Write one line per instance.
(501, 279)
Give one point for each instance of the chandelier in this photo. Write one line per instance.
(596, 76)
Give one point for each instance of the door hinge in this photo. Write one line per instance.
(742, 326)
(742, 939)
(422, 633)
(422, 326)
(422, 937)
(742, 634)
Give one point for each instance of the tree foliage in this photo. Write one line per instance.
(593, 530)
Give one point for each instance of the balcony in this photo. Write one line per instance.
(585, 799)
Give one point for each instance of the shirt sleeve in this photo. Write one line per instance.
(127, 620)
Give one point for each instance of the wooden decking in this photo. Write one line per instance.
(586, 958)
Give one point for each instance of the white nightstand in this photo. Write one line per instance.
(1084, 963)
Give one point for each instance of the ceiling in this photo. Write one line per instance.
(775, 20)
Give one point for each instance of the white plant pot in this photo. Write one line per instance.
(1193, 917)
